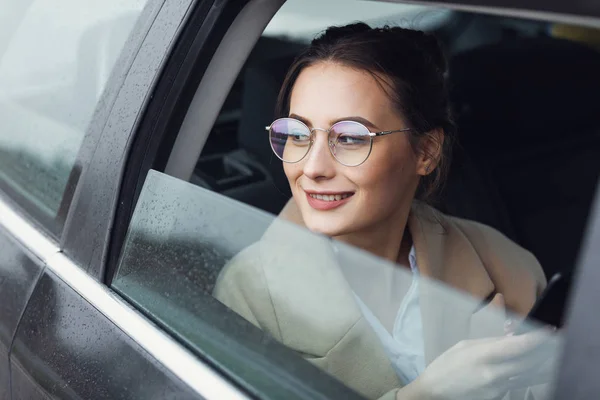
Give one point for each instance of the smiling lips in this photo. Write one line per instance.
(327, 201)
(329, 197)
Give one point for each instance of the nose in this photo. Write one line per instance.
(319, 163)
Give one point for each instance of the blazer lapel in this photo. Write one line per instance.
(454, 280)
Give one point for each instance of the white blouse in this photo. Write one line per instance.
(404, 347)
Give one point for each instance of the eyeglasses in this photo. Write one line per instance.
(350, 142)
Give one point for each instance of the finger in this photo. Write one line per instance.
(527, 372)
(518, 346)
(502, 382)
(533, 362)
(498, 301)
(498, 345)
(539, 374)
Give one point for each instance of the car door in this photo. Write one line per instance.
(74, 74)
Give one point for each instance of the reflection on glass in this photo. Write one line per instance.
(55, 60)
(378, 327)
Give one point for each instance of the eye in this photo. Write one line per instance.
(352, 140)
(299, 136)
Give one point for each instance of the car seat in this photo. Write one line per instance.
(527, 111)
(262, 79)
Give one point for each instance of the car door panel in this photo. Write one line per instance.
(66, 348)
(19, 272)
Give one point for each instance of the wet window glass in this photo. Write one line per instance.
(301, 301)
(55, 61)
(226, 264)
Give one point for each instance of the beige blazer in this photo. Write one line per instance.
(292, 285)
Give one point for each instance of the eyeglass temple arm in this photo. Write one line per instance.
(388, 132)
(267, 128)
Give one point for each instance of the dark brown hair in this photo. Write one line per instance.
(409, 63)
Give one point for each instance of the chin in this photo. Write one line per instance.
(325, 226)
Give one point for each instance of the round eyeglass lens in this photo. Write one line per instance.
(290, 139)
(350, 142)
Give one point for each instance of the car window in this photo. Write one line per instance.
(55, 61)
(192, 256)
(213, 258)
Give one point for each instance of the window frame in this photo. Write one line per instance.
(89, 216)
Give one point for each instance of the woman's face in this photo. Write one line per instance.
(382, 188)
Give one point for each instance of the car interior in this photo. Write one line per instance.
(525, 161)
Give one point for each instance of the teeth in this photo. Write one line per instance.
(330, 197)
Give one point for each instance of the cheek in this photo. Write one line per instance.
(388, 179)
(378, 186)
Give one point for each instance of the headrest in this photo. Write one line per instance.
(262, 79)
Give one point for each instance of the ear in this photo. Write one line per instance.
(430, 151)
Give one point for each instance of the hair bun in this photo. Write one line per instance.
(427, 43)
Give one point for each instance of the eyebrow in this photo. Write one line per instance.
(361, 120)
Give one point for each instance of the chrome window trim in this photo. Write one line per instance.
(26, 233)
(166, 350)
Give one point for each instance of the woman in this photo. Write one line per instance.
(364, 126)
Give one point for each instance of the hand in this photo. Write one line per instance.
(486, 369)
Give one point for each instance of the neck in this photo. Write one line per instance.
(388, 239)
